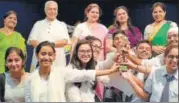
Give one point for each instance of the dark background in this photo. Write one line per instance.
(70, 11)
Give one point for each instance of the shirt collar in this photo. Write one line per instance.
(165, 72)
(50, 22)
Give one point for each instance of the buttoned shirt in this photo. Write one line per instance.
(155, 83)
(44, 30)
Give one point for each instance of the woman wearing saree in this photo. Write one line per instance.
(9, 37)
(156, 32)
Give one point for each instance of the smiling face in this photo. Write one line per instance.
(96, 46)
(144, 51)
(46, 56)
(51, 11)
(158, 14)
(84, 53)
(171, 60)
(10, 21)
(122, 16)
(172, 37)
(14, 62)
(121, 41)
(93, 14)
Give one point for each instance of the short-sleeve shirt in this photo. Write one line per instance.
(155, 83)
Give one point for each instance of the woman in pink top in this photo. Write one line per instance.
(91, 26)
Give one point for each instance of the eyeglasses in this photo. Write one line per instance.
(147, 48)
(172, 35)
(85, 51)
(171, 57)
(96, 47)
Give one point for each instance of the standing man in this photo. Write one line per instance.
(50, 29)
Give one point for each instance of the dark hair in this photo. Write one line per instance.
(75, 60)
(45, 43)
(19, 52)
(117, 25)
(160, 4)
(77, 64)
(144, 41)
(92, 38)
(89, 7)
(118, 32)
(169, 48)
(9, 13)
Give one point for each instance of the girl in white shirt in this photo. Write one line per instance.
(48, 84)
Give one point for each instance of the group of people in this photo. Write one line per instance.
(114, 64)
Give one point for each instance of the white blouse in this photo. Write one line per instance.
(43, 90)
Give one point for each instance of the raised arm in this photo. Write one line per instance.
(139, 68)
(138, 88)
(75, 75)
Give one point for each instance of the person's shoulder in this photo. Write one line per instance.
(149, 25)
(158, 70)
(135, 28)
(39, 22)
(81, 24)
(102, 25)
(61, 22)
(33, 75)
(1, 29)
(18, 34)
(172, 23)
(112, 29)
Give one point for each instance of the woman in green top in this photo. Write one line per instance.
(156, 32)
(9, 37)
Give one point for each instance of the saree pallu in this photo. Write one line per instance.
(160, 38)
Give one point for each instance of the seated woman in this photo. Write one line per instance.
(48, 84)
(156, 32)
(162, 83)
(13, 81)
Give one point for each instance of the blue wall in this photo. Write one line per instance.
(70, 11)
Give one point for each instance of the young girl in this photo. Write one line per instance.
(47, 83)
(83, 60)
(15, 76)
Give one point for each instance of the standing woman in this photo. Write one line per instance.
(14, 77)
(91, 26)
(122, 23)
(9, 37)
(156, 32)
